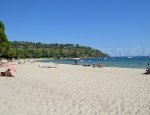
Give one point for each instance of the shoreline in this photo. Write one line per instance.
(39, 60)
(106, 63)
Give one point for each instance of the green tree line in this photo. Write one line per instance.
(21, 49)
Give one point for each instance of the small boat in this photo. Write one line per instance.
(105, 58)
(90, 61)
(81, 60)
(130, 57)
(114, 59)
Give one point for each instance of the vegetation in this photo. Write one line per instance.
(37, 50)
(4, 43)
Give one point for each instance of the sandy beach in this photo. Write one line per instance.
(74, 90)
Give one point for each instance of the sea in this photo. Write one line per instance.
(142, 62)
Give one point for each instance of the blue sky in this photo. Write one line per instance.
(119, 27)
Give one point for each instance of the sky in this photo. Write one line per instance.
(116, 27)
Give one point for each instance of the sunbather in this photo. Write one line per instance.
(147, 71)
(7, 73)
(47, 65)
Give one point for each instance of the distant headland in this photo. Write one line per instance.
(24, 49)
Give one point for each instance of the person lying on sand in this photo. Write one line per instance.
(7, 73)
(147, 71)
(48, 65)
(98, 65)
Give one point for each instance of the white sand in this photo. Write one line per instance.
(74, 90)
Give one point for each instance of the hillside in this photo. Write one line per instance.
(21, 49)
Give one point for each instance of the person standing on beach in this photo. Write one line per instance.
(76, 62)
(148, 64)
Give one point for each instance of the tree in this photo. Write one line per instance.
(4, 43)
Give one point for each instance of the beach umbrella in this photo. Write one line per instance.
(1, 65)
(9, 66)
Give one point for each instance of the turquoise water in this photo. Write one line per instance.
(124, 62)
